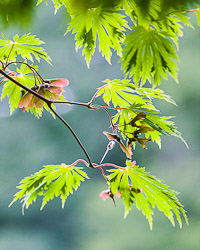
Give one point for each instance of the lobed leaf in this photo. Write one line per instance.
(26, 46)
(148, 55)
(50, 182)
(133, 101)
(103, 23)
(146, 191)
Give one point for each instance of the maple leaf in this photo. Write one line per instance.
(146, 191)
(103, 23)
(149, 55)
(26, 46)
(52, 181)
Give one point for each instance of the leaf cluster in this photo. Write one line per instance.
(137, 114)
(105, 24)
(149, 51)
(17, 53)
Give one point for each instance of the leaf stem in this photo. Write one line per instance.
(99, 106)
(107, 164)
(94, 96)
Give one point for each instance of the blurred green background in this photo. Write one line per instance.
(86, 222)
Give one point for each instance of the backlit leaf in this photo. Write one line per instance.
(146, 191)
(52, 181)
(104, 24)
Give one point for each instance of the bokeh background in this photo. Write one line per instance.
(26, 144)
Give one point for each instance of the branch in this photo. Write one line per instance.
(75, 136)
(49, 103)
(26, 88)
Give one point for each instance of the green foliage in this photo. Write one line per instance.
(52, 181)
(16, 11)
(150, 49)
(132, 101)
(105, 24)
(57, 4)
(148, 55)
(137, 186)
(26, 46)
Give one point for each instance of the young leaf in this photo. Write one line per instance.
(153, 126)
(52, 181)
(123, 93)
(146, 191)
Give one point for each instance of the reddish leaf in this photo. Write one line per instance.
(142, 141)
(39, 104)
(133, 163)
(32, 103)
(50, 95)
(125, 150)
(143, 130)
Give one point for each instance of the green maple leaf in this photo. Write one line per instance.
(136, 186)
(103, 23)
(122, 93)
(148, 55)
(132, 101)
(52, 181)
(26, 46)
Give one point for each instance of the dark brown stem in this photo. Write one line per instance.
(74, 103)
(26, 88)
(90, 165)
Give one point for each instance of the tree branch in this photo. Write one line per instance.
(90, 165)
(26, 88)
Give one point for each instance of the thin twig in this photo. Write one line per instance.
(74, 134)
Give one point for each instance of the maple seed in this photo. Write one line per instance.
(51, 89)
